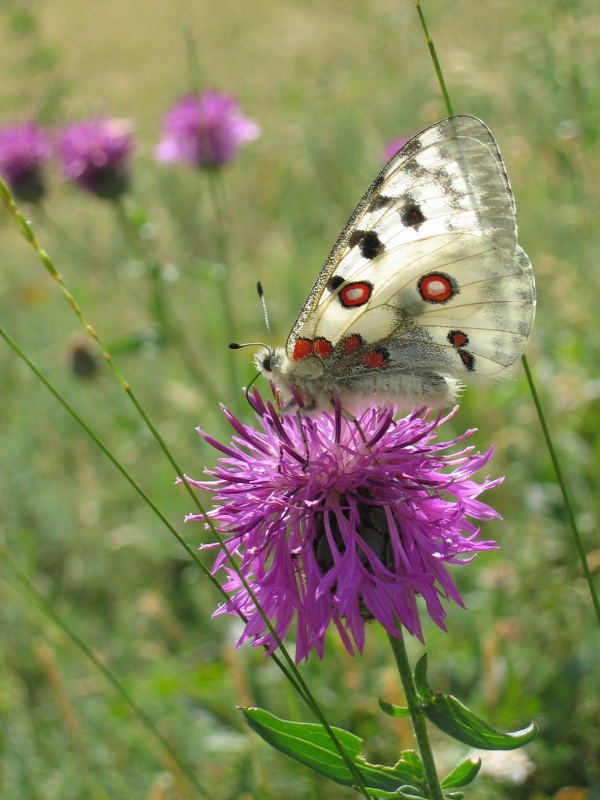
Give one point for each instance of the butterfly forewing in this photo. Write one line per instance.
(427, 271)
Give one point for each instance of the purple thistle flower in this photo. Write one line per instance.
(95, 154)
(332, 529)
(391, 148)
(23, 150)
(205, 131)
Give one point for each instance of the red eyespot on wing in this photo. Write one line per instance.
(437, 287)
(350, 344)
(458, 338)
(355, 294)
(467, 360)
(302, 349)
(323, 347)
(376, 359)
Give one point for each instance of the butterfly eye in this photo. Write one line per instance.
(267, 363)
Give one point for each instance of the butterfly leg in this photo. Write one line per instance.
(351, 418)
(299, 416)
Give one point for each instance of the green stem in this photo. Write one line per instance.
(540, 412)
(158, 310)
(286, 665)
(434, 790)
(167, 324)
(216, 191)
(195, 73)
(563, 488)
(434, 58)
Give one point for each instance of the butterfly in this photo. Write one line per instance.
(426, 288)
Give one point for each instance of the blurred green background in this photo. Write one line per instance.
(330, 83)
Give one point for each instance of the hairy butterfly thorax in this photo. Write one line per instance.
(426, 288)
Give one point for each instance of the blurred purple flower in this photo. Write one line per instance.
(23, 150)
(332, 529)
(95, 154)
(205, 131)
(390, 150)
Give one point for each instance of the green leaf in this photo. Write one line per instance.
(462, 775)
(451, 716)
(393, 711)
(311, 745)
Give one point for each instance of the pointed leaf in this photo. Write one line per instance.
(455, 719)
(462, 775)
(393, 711)
(311, 745)
(423, 688)
(458, 721)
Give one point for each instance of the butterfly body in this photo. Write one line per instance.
(426, 288)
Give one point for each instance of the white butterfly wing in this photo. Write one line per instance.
(427, 276)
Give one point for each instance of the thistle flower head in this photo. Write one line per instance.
(95, 154)
(337, 523)
(24, 149)
(205, 130)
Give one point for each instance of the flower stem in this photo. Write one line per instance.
(434, 58)
(569, 510)
(433, 788)
(168, 328)
(216, 187)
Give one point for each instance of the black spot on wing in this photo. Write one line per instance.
(334, 282)
(369, 243)
(411, 214)
(380, 202)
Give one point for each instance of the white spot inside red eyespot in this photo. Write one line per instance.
(355, 294)
(437, 287)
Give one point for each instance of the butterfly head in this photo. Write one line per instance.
(268, 361)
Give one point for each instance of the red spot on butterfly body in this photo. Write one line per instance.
(322, 347)
(302, 349)
(350, 344)
(437, 287)
(305, 348)
(355, 294)
(376, 359)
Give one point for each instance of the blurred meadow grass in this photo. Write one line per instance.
(330, 84)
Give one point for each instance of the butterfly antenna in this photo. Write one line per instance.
(236, 346)
(263, 303)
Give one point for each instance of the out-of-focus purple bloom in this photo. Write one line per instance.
(329, 528)
(23, 150)
(390, 150)
(205, 130)
(95, 155)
